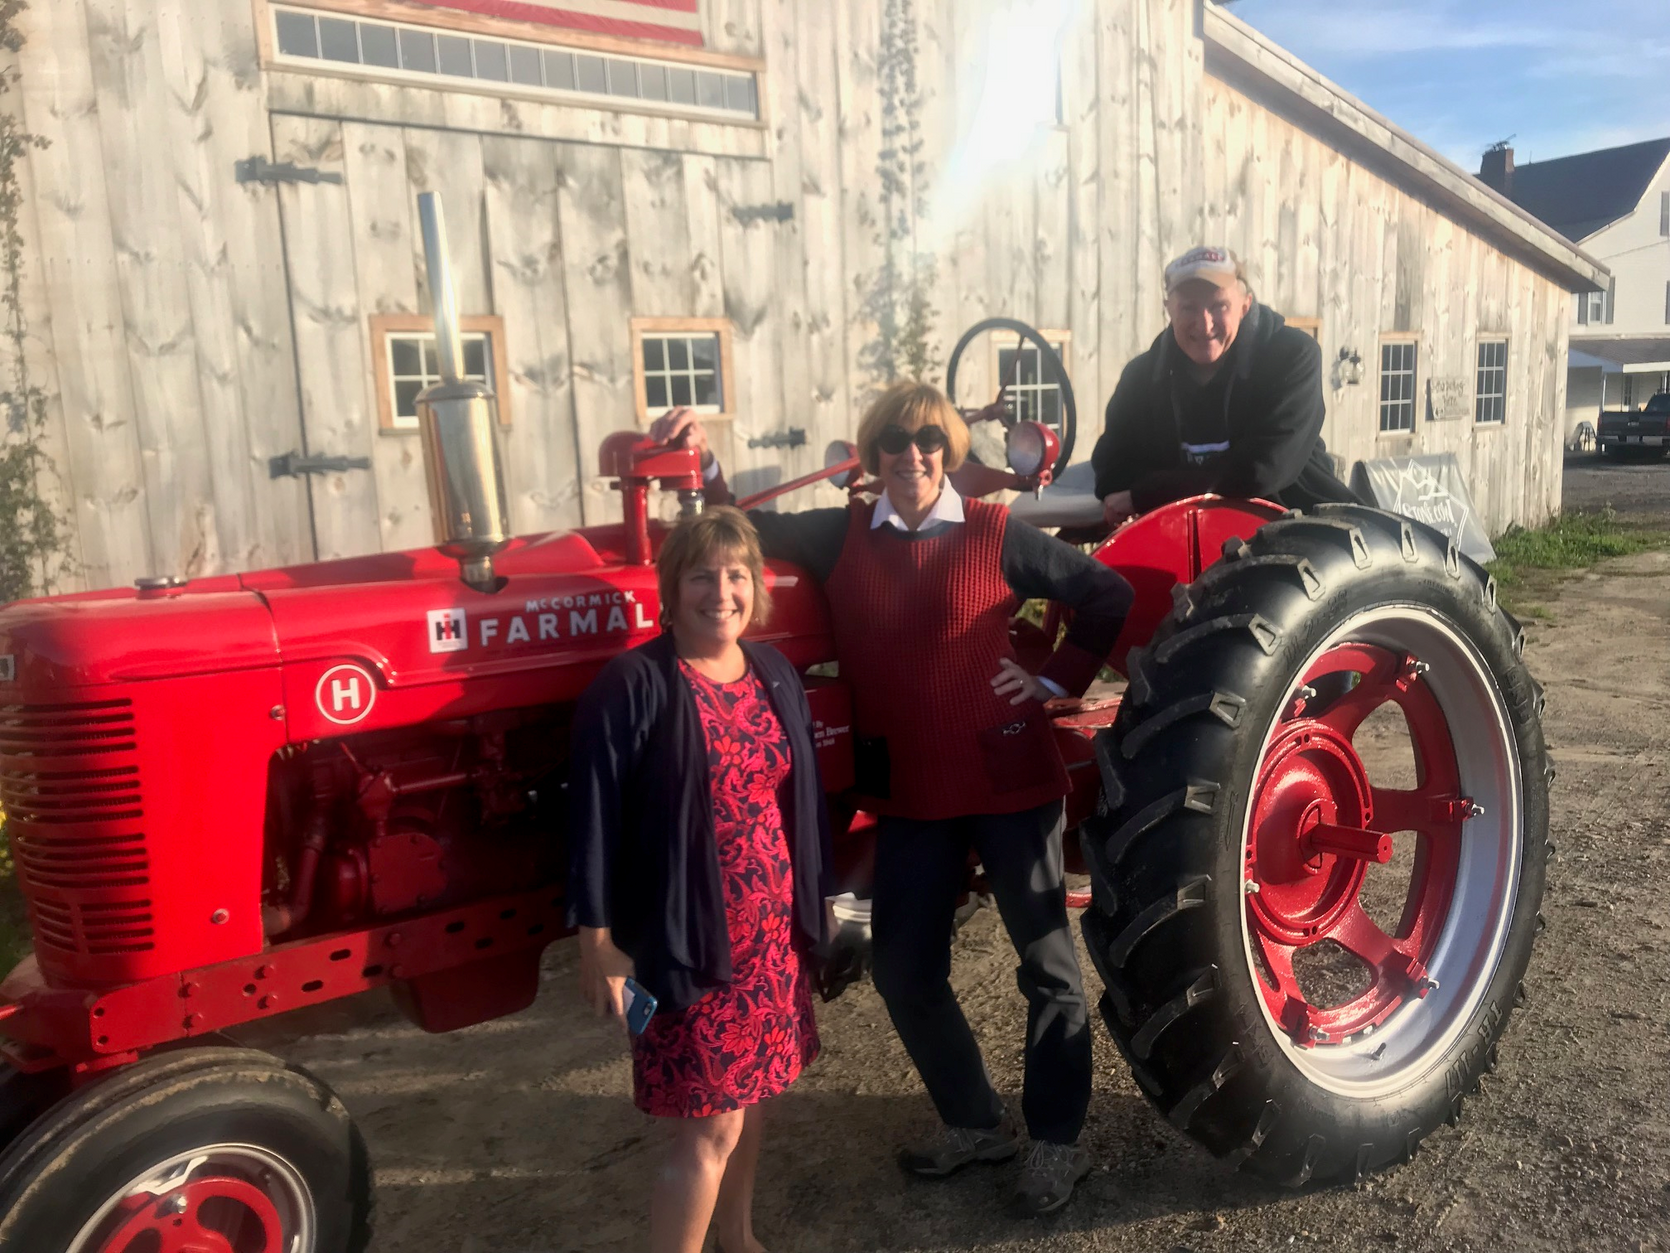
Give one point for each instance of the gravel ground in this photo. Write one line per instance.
(518, 1136)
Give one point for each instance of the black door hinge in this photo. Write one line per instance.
(295, 464)
(794, 437)
(258, 169)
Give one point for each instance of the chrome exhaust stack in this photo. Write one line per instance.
(459, 420)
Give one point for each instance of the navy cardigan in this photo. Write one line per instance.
(641, 852)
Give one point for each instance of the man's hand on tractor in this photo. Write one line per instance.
(1011, 678)
(604, 970)
(1116, 508)
(682, 425)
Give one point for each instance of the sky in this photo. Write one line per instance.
(1560, 76)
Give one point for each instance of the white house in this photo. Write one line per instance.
(1615, 203)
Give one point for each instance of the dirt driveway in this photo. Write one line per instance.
(518, 1136)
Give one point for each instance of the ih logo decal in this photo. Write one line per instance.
(345, 693)
(447, 632)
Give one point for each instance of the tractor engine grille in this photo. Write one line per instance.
(69, 783)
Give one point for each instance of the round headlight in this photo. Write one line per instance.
(839, 451)
(1031, 448)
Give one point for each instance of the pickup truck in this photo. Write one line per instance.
(1647, 428)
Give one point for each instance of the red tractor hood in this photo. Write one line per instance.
(381, 640)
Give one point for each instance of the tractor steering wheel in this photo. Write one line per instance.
(1066, 426)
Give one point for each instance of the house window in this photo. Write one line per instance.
(1036, 394)
(415, 53)
(1664, 213)
(1667, 304)
(406, 362)
(681, 361)
(1397, 386)
(1490, 402)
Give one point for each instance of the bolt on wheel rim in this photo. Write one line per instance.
(1316, 823)
(223, 1198)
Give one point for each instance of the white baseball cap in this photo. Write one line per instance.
(1213, 263)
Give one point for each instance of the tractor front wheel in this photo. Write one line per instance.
(1283, 991)
(208, 1150)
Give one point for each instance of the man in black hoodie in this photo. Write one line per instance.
(1227, 400)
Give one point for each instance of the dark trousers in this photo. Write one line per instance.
(920, 870)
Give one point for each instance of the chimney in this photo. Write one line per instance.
(1496, 170)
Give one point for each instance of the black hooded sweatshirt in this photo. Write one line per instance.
(1253, 429)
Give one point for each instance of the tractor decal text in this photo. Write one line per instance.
(541, 620)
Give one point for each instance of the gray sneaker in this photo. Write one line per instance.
(949, 1149)
(1048, 1177)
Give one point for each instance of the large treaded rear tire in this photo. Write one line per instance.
(1170, 922)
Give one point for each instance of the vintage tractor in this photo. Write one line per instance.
(234, 796)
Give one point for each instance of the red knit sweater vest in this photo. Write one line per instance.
(920, 626)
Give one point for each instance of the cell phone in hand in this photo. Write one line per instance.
(639, 1007)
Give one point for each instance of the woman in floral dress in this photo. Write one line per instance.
(699, 854)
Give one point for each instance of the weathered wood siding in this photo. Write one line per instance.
(190, 327)
(1326, 239)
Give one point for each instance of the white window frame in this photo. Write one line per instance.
(664, 330)
(1405, 401)
(386, 328)
(1488, 399)
(1008, 341)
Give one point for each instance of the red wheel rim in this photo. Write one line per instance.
(1316, 825)
(210, 1214)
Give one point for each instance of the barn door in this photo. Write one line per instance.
(347, 197)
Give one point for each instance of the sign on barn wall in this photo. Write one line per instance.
(1429, 489)
(670, 21)
(1448, 398)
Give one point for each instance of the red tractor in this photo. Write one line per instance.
(234, 796)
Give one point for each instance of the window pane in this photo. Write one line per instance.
(559, 70)
(710, 90)
(431, 359)
(338, 40)
(455, 56)
(297, 35)
(655, 391)
(681, 389)
(707, 389)
(678, 354)
(739, 93)
(417, 51)
(652, 82)
(623, 78)
(655, 354)
(681, 86)
(405, 398)
(490, 61)
(589, 74)
(704, 352)
(405, 355)
(475, 357)
(524, 66)
(377, 46)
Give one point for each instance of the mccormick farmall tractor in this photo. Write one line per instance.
(234, 796)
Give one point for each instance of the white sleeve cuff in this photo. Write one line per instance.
(1052, 685)
(711, 472)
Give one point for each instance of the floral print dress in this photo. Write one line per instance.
(746, 1041)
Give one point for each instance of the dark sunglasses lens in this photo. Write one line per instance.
(930, 439)
(893, 440)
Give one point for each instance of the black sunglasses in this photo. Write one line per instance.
(893, 440)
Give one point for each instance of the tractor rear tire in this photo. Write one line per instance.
(1231, 757)
(231, 1144)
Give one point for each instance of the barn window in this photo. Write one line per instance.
(1397, 386)
(413, 53)
(406, 362)
(1664, 213)
(1490, 402)
(681, 361)
(1036, 395)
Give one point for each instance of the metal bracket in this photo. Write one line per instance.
(258, 169)
(782, 211)
(794, 437)
(295, 464)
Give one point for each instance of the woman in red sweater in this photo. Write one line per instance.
(956, 754)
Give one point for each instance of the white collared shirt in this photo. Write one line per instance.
(948, 508)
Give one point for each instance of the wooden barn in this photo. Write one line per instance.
(761, 206)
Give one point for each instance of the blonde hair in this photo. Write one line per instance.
(911, 406)
(719, 531)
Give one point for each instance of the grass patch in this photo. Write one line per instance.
(14, 929)
(1531, 563)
